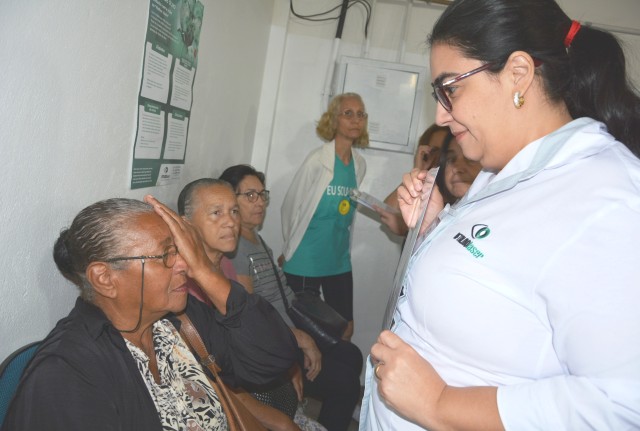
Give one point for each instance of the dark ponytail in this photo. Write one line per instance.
(63, 259)
(589, 76)
(600, 87)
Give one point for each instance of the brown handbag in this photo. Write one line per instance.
(239, 418)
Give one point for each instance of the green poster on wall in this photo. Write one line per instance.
(166, 91)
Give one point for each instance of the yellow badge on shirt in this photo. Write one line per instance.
(344, 206)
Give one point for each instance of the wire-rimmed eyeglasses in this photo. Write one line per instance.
(360, 115)
(252, 195)
(168, 257)
(168, 260)
(440, 88)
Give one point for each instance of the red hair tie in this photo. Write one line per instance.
(573, 30)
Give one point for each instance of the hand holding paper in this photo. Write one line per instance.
(417, 189)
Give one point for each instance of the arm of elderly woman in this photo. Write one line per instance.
(312, 355)
(411, 386)
(251, 343)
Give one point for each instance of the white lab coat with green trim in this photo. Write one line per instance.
(532, 284)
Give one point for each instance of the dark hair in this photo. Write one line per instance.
(235, 174)
(95, 235)
(440, 178)
(185, 199)
(425, 138)
(589, 76)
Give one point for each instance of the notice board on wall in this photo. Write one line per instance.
(166, 91)
(393, 95)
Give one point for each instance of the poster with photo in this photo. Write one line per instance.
(166, 91)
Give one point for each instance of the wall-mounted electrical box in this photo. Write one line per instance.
(393, 95)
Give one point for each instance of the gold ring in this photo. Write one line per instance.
(375, 370)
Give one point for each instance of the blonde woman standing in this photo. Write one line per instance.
(317, 213)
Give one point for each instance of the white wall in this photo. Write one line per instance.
(70, 79)
(303, 51)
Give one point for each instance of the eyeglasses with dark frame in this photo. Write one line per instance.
(168, 257)
(252, 195)
(440, 88)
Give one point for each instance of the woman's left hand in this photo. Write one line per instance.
(406, 381)
(393, 220)
(185, 237)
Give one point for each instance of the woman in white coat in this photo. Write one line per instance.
(520, 307)
(317, 212)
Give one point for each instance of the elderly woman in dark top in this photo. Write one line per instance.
(210, 206)
(117, 361)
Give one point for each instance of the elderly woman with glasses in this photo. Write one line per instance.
(118, 361)
(519, 309)
(332, 373)
(317, 213)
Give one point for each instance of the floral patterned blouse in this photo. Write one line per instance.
(184, 397)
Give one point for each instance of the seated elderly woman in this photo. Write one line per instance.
(117, 361)
(211, 207)
(332, 373)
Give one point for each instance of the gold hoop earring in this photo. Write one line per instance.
(518, 100)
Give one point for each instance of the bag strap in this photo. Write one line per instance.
(195, 343)
(275, 271)
(193, 339)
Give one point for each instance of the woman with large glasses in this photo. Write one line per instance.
(519, 309)
(331, 373)
(317, 213)
(117, 361)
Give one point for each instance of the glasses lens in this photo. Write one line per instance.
(349, 114)
(440, 95)
(264, 195)
(169, 256)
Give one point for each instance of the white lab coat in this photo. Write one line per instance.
(532, 284)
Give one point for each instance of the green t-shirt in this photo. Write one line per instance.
(325, 246)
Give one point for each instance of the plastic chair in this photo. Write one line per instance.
(10, 372)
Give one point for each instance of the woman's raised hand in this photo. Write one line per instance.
(185, 236)
(412, 198)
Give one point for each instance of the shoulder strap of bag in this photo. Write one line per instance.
(275, 271)
(192, 337)
(238, 418)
